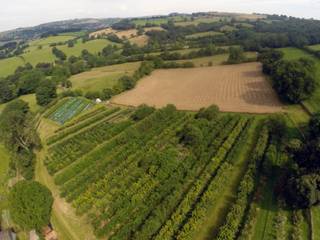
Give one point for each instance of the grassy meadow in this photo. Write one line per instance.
(204, 34)
(103, 77)
(9, 65)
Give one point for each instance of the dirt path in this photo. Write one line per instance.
(68, 225)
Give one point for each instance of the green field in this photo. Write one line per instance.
(228, 28)
(103, 77)
(9, 65)
(30, 99)
(142, 22)
(203, 34)
(216, 60)
(93, 46)
(293, 53)
(198, 20)
(316, 222)
(4, 168)
(34, 55)
(50, 40)
(315, 47)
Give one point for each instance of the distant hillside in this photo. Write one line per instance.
(56, 27)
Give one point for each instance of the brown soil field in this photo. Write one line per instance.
(148, 29)
(234, 88)
(127, 34)
(140, 40)
(101, 32)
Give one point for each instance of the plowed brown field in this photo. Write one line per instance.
(234, 88)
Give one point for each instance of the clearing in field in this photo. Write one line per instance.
(234, 88)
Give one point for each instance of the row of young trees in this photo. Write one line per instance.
(149, 180)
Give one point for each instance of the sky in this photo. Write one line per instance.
(24, 13)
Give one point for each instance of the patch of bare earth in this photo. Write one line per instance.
(102, 32)
(234, 88)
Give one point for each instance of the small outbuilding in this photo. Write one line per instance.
(98, 100)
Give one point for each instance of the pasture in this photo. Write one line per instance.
(103, 77)
(9, 65)
(93, 46)
(68, 109)
(203, 34)
(234, 88)
(50, 40)
(315, 47)
(30, 99)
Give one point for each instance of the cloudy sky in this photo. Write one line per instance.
(22, 13)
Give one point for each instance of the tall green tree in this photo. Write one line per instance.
(29, 81)
(30, 205)
(236, 55)
(19, 135)
(46, 92)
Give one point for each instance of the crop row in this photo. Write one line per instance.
(173, 224)
(68, 110)
(72, 149)
(56, 106)
(159, 215)
(139, 200)
(117, 148)
(237, 212)
(122, 175)
(214, 186)
(61, 135)
(133, 142)
(82, 117)
(156, 193)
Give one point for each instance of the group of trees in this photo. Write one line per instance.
(304, 184)
(19, 135)
(11, 49)
(30, 205)
(27, 80)
(236, 55)
(294, 80)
